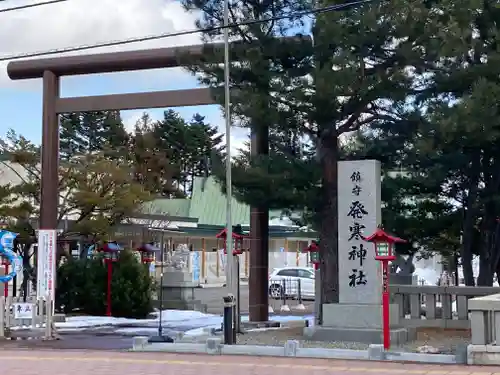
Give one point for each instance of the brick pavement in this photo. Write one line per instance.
(80, 362)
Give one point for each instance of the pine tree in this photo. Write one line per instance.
(152, 162)
(264, 62)
(357, 74)
(87, 132)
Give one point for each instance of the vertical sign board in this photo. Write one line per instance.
(46, 265)
(359, 213)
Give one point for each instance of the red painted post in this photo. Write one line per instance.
(110, 276)
(6, 285)
(385, 304)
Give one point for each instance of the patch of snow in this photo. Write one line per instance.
(169, 317)
(192, 322)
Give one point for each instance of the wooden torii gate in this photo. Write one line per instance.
(52, 69)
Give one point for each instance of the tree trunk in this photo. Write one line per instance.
(328, 235)
(489, 255)
(258, 288)
(466, 249)
(486, 262)
(470, 216)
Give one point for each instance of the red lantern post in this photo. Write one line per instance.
(110, 250)
(237, 240)
(5, 264)
(313, 250)
(384, 253)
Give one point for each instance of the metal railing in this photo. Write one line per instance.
(289, 294)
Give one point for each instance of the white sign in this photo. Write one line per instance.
(359, 213)
(23, 310)
(46, 263)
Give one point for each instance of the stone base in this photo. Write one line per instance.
(483, 355)
(364, 335)
(154, 339)
(175, 304)
(357, 315)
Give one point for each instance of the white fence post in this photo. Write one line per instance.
(8, 317)
(48, 317)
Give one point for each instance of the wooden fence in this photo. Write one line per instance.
(26, 320)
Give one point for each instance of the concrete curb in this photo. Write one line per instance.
(291, 348)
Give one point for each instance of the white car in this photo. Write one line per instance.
(286, 281)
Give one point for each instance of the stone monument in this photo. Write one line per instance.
(358, 315)
(177, 285)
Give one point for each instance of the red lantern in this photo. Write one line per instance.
(384, 253)
(148, 251)
(111, 251)
(313, 250)
(384, 244)
(238, 238)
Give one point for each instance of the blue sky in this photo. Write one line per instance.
(62, 25)
(21, 107)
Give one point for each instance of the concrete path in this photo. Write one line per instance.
(78, 362)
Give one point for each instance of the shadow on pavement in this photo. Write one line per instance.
(74, 341)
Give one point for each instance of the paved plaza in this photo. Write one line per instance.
(78, 362)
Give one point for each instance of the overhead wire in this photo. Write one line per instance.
(113, 43)
(27, 6)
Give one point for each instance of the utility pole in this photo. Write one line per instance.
(232, 277)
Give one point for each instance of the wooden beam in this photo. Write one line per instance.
(141, 100)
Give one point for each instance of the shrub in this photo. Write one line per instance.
(82, 287)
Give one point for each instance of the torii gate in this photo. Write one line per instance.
(51, 69)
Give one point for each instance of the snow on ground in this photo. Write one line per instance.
(177, 317)
(191, 323)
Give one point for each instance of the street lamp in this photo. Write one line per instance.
(111, 252)
(384, 246)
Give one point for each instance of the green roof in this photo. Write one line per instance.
(207, 204)
(171, 207)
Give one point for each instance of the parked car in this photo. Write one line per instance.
(286, 281)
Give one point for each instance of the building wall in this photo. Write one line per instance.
(210, 243)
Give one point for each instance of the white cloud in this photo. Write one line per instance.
(82, 22)
(78, 22)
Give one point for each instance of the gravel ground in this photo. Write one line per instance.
(445, 341)
(278, 337)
